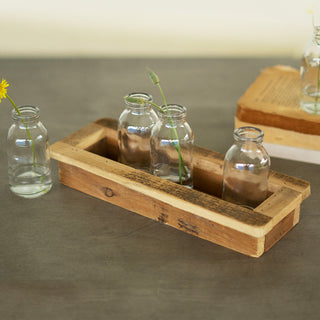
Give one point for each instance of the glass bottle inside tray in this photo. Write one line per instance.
(246, 169)
(134, 130)
(172, 146)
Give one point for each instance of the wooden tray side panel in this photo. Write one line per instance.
(280, 204)
(280, 230)
(155, 209)
(207, 171)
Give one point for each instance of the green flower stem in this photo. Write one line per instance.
(163, 97)
(153, 104)
(177, 145)
(27, 130)
(156, 81)
(173, 132)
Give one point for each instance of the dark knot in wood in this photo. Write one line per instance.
(108, 192)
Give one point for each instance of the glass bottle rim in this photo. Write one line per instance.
(28, 113)
(248, 133)
(176, 112)
(140, 95)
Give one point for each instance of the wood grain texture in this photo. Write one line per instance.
(278, 179)
(163, 212)
(273, 99)
(285, 122)
(280, 203)
(85, 163)
(279, 230)
(272, 103)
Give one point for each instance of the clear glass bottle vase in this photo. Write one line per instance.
(172, 146)
(29, 170)
(310, 75)
(134, 130)
(246, 169)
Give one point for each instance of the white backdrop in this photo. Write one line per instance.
(154, 28)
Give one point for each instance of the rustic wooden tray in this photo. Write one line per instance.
(87, 162)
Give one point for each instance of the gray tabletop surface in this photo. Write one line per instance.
(67, 255)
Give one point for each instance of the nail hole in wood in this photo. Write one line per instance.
(108, 192)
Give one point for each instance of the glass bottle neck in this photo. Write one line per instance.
(26, 114)
(173, 114)
(138, 107)
(248, 134)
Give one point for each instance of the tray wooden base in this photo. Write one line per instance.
(87, 162)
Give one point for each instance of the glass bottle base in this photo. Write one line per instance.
(310, 105)
(30, 191)
(172, 174)
(245, 189)
(30, 182)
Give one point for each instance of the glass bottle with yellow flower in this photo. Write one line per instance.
(29, 169)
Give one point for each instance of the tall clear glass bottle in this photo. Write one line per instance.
(134, 130)
(29, 169)
(246, 169)
(172, 146)
(310, 71)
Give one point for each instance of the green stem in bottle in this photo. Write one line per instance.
(173, 131)
(177, 145)
(27, 130)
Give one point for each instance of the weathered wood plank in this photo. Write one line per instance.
(206, 206)
(271, 119)
(280, 203)
(279, 231)
(160, 211)
(278, 179)
(273, 100)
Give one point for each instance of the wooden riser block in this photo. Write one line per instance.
(272, 103)
(85, 164)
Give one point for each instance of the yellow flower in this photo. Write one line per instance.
(3, 91)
